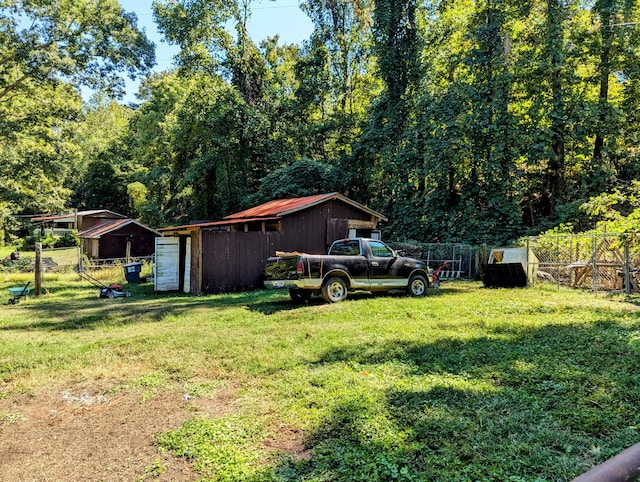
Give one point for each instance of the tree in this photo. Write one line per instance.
(103, 167)
(37, 156)
(302, 178)
(48, 50)
(385, 159)
(85, 42)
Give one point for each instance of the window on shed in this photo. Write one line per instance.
(273, 226)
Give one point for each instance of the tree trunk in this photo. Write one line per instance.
(604, 69)
(556, 49)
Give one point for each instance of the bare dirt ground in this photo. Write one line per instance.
(93, 433)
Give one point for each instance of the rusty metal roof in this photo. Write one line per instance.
(95, 232)
(274, 210)
(282, 207)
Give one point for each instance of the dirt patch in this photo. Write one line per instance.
(87, 433)
(290, 441)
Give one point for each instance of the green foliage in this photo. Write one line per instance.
(86, 42)
(302, 178)
(48, 50)
(48, 241)
(22, 265)
(461, 121)
(222, 447)
(618, 211)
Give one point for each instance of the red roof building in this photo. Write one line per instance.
(118, 238)
(230, 254)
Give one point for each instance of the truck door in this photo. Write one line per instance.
(384, 267)
(353, 258)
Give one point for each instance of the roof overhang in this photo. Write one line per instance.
(99, 230)
(189, 228)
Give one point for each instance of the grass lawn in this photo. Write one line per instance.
(466, 384)
(63, 257)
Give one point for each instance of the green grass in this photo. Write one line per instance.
(465, 384)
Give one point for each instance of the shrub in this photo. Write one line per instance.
(28, 243)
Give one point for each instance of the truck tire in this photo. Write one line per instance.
(418, 285)
(334, 290)
(299, 296)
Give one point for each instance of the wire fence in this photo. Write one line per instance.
(598, 262)
(458, 261)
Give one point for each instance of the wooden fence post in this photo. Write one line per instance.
(38, 268)
(627, 274)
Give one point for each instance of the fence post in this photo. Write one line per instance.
(38, 268)
(594, 269)
(558, 258)
(627, 276)
(529, 270)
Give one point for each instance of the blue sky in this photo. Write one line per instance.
(269, 17)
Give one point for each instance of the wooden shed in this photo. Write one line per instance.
(118, 238)
(229, 255)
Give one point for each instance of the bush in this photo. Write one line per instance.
(28, 243)
(67, 241)
(22, 265)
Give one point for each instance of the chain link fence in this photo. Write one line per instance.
(456, 261)
(598, 262)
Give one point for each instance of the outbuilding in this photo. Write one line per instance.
(118, 238)
(61, 224)
(229, 255)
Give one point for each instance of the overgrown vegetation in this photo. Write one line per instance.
(473, 122)
(465, 384)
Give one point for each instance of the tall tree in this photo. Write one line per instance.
(101, 173)
(385, 159)
(612, 15)
(336, 77)
(48, 51)
(86, 42)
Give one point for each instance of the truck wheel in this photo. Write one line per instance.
(334, 290)
(417, 285)
(300, 296)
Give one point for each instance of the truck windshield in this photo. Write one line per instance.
(348, 247)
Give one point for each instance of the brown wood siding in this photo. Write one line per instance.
(308, 230)
(235, 261)
(114, 245)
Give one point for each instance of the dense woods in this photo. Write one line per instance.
(461, 121)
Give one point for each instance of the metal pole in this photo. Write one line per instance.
(623, 467)
(558, 259)
(529, 281)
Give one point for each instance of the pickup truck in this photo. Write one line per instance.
(351, 264)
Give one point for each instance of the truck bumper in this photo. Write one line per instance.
(303, 284)
(281, 284)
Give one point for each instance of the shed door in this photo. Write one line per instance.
(167, 267)
(336, 229)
